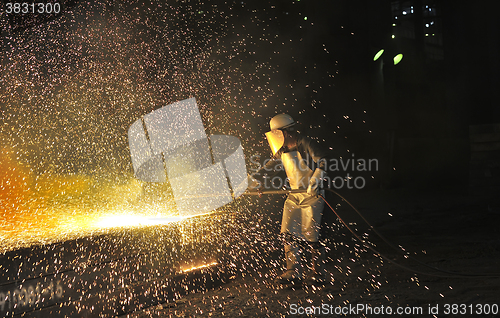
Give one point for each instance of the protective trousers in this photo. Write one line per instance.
(301, 222)
(302, 216)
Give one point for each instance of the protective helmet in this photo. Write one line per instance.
(281, 121)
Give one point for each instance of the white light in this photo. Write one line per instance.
(393, 36)
(427, 25)
(404, 12)
(398, 59)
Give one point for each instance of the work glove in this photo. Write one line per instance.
(315, 182)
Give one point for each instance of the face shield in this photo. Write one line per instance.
(276, 140)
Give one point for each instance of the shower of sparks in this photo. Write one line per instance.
(71, 85)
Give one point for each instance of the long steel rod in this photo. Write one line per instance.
(274, 192)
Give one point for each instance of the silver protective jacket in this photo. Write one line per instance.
(302, 212)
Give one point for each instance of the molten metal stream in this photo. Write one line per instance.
(190, 269)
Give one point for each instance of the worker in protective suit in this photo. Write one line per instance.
(305, 167)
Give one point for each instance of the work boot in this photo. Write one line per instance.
(318, 266)
(293, 273)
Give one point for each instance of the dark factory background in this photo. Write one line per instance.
(446, 82)
(420, 111)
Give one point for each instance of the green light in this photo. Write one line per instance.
(305, 18)
(398, 58)
(378, 55)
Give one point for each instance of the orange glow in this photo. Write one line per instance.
(14, 185)
(52, 208)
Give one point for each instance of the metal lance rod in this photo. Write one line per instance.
(274, 192)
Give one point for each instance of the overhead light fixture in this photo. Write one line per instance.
(378, 55)
(398, 58)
